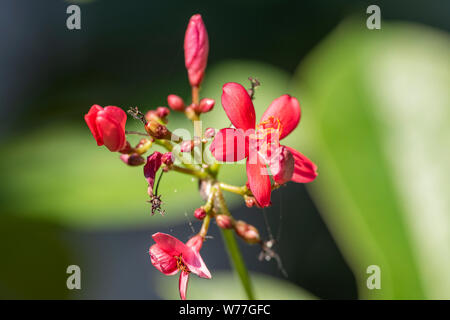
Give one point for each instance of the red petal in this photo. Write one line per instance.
(229, 145)
(196, 48)
(162, 261)
(287, 110)
(182, 284)
(305, 170)
(90, 118)
(169, 244)
(259, 180)
(175, 247)
(154, 161)
(238, 106)
(282, 166)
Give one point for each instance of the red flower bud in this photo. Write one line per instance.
(157, 130)
(200, 213)
(282, 166)
(196, 48)
(127, 149)
(107, 126)
(162, 112)
(167, 158)
(224, 221)
(206, 105)
(250, 201)
(175, 102)
(187, 146)
(195, 242)
(210, 133)
(133, 159)
(247, 232)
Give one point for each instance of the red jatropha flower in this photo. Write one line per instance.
(261, 147)
(196, 48)
(107, 126)
(169, 255)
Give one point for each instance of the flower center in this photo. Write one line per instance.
(268, 137)
(180, 264)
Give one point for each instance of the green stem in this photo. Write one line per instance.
(238, 262)
(195, 173)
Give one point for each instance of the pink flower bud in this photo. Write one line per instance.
(127, 149)
(200, 213)
(247, 232)
(206, 105)
(250, 201)
(282, 166)
(195, 242)
(187, 146)
(107, 125)
(133, 159)
(210, 133)
(167, 158)
(224, 221)
(175, 102)
(157, 130)
(196, 48)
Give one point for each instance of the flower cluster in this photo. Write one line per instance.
(258, 143)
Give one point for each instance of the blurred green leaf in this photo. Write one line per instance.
(34, 259)
(225, 286)
(376, 112)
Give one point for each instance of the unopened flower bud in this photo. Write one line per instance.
(162, 113)
(282, 166)
(175, 102)
(190, 112)
(143, 146)
(224, 221)
(247, 232)
(206, 105)
(167, 158)
(133, 159)
(209, 133)
(126, 149)
(187, 146)
(200, 213)
(195, 242)
(151, 115)
(196, 48)
(250, 201)
(157, 130)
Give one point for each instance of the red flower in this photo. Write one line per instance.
(169, 255)
(196, 48)
(107, 126)
(262, 146)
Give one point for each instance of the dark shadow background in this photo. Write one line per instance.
(51, 74)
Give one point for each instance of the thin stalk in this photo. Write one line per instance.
(238, 262)
(195, 173)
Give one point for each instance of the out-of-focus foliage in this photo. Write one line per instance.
(376, 115)
(266, 288)
(34, 259)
